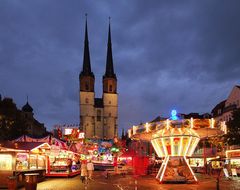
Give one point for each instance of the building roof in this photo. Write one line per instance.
(158, 118)
(98, 103)
(28, 146)
(27, 108)
(220, 105)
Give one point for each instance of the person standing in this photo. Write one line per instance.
(84, 172)
(115, 164)
(90, 168)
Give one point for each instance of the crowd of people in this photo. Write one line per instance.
(87, 168)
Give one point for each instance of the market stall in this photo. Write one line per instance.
(62, 163)
(20, 158)
(233, 157)
(198, 163)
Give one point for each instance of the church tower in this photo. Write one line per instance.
(98, 116)
(87, 94)
(110, 96)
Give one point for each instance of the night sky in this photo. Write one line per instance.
(167, 54)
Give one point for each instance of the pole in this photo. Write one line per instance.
(217, 183)
(218, 176)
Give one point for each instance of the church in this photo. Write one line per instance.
(98, 116)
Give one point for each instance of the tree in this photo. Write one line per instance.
(233, 134)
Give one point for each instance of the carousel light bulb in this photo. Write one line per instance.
(191, 121)
(129, 133)
(164, 147)
(212, 123)
(147, 127)
(181, 145)
(167, 124)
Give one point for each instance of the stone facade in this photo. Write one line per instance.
(98, 116)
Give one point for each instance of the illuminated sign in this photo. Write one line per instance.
(68, 131)
(73, 134)
(81, 135)
(232, 153)
(174, 115)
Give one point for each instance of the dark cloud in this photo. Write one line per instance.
(178, 54)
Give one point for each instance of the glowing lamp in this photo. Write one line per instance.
(174, 115)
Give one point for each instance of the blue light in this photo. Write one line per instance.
(174, 115)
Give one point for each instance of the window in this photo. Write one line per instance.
(86, 86)
(110, 88)
(33, 161)
(41, 162)
(98, 115)
(6, 162)
(22, 161)
(109, 114)
(86, 101)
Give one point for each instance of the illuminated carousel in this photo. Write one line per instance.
(175, 140)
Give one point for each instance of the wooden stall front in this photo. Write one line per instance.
(19, 158)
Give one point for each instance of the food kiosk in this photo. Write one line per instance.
(233, 157)
(20, 158)
(62, 163)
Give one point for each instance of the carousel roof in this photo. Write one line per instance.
(201, 128)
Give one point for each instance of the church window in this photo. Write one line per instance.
(86, 101)
(98, 115)
(110, 88)
(109, 114)
(86, 86)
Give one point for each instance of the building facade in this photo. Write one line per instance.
(15, 122)
(222, 112)
(98, 116)
(33, 126)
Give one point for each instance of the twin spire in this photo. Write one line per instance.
(86, 70)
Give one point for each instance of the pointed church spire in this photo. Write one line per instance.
(86, 69)
(109, 73)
